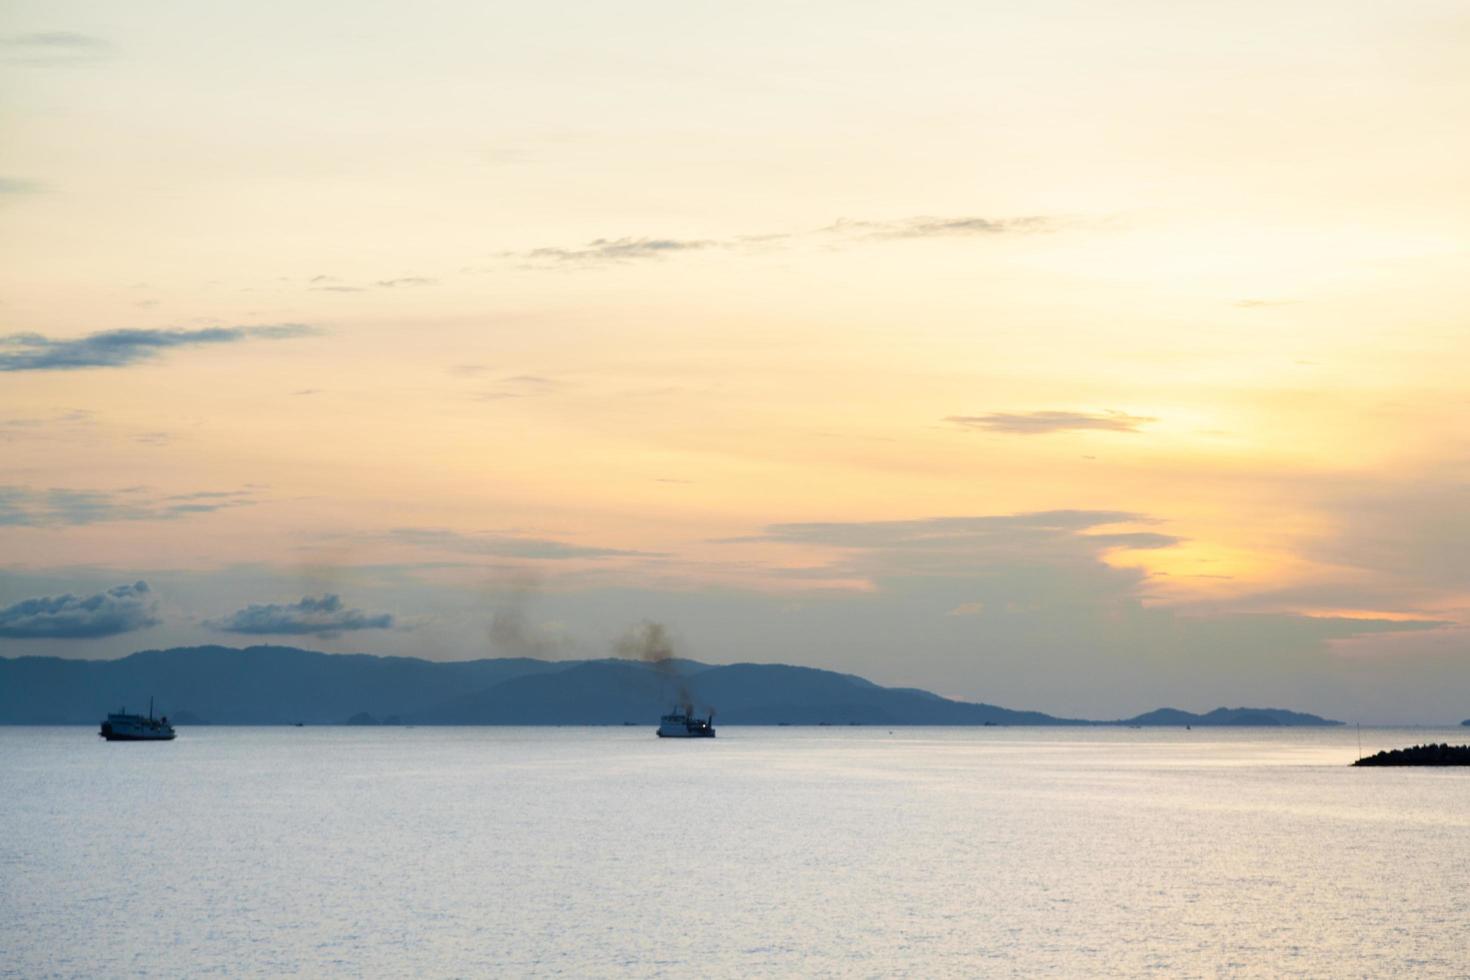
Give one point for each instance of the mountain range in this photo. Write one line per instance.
(270, 685)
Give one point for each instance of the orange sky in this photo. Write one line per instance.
(572, 313)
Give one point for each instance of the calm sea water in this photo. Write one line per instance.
(769, 851)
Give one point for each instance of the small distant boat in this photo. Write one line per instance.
(123, 727)
(683, 724)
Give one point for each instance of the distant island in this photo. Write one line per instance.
(1420, 755)
(278, 685)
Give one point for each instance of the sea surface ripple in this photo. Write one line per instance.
(467, 852)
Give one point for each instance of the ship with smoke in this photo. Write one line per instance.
(681, 723)
(650, 643)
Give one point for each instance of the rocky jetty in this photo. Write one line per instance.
(1421, 755)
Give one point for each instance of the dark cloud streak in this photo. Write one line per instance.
(120, 348)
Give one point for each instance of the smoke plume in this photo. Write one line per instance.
(650, 642)
(511, 629)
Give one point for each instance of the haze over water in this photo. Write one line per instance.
(767, 852)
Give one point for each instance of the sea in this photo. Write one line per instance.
(766, 852)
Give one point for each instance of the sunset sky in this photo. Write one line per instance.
(1068, 356)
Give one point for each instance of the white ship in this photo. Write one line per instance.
(123, 727)
(683, 724)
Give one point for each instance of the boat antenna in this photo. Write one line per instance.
(1360, 741)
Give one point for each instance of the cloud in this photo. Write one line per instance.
(504, 546)
(1135, 540)
(62, 507)
(322, 616)
(930, 227)
(66, 617)
(1406, 539)
(406, 281)
(54, 40)
(932, 531)
(1040, 423)
(333, 284)
(79, 416)
(603, 251)
(43, 48)
(118, 348)
(1008, 555)
(1029, 609)
(19, 185)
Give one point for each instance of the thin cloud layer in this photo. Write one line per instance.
(1030, 609)
(1018, 556)
(43, 48)
(504, 546)
(322, 616)
(406, 281)
(602, 251)
(1041, 423)
(331, 284)
(61, 507)
(1407, 540)
(936, 531)
(120, 348)
(930, 227)
(123, 609)
(44, 426)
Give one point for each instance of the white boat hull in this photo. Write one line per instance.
(134, 728)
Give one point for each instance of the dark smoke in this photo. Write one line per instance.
(511, 630)
(650, 642)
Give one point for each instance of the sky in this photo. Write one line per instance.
(1073, 357)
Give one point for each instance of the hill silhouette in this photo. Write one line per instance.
(1229, 717)
(1443, 754)
(266, 685)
